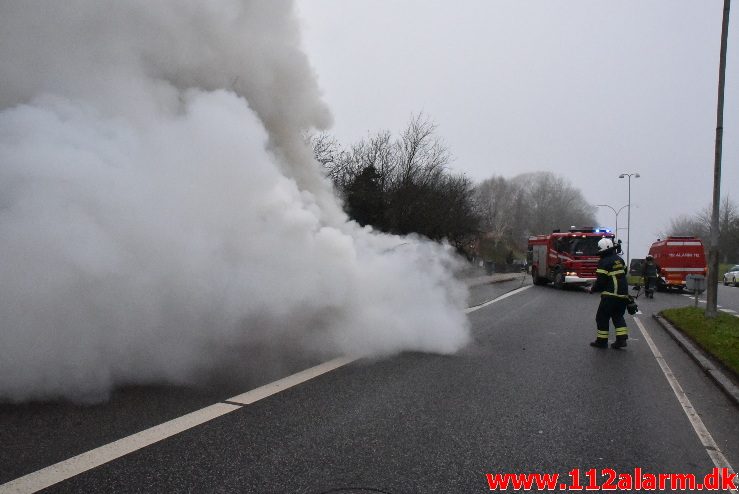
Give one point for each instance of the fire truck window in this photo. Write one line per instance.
(562, 245)
(587, 246)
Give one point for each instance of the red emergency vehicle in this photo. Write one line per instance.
(678, 257)
(566, 258)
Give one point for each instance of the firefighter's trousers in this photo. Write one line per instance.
(611, 309)
(650, 283)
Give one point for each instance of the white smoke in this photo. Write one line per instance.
(159, 210)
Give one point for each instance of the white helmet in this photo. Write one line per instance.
(604, 244)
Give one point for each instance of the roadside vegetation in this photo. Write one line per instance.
(403, 184)
(719, 337)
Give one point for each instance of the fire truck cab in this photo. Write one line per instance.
(566, 258)
(678, 257)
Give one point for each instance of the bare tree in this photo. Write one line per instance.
(533, 203)
(495, 198)
(553, 203)
(699, 225)
(688, 225)
(402, 185)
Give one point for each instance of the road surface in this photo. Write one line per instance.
(528, 395)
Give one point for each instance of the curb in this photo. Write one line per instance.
(491, 279)
(709, 367)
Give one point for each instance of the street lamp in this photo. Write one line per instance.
(628, 220)
(614, 212)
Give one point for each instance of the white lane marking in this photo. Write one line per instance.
(704, 436)
(63, 470)
(478, 307)
(728, 310)
(76, 465)
(269, 389)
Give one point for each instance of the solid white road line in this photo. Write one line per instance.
(269, 389)
(513, 292)
(728, 310)
(63, 470)
(704, 436)
(76, 465)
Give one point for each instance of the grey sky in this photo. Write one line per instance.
(586, 89)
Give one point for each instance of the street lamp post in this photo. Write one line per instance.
(614, 212)
(628, 218)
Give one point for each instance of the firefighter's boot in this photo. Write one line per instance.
(600, 343)
(619, 343)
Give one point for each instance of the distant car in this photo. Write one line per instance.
(520, 264)
(732, 276)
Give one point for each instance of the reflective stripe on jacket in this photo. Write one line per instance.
(611, 277)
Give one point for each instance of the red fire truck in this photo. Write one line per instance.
(566, 258)
(678, 257)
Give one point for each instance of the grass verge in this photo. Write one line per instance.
(718, 337)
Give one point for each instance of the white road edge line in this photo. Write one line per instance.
(46, 477)
(506, 295)
(704, 436)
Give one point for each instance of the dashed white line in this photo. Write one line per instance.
(76, 465)
(704, 436)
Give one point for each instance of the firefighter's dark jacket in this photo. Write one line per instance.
(650, 269)
(611, 277)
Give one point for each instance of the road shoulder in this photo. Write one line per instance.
(711, 368)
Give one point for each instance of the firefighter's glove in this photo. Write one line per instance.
(631, 306)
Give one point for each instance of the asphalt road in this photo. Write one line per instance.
(728, 298)
(528, 395)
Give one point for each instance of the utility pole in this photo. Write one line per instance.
(712, 282)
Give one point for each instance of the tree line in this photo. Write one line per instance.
(511, 210)
(699, 225)
(403, 184)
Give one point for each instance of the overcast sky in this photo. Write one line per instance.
(587, 89)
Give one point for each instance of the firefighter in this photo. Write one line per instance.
(614, 296)
(649, 273)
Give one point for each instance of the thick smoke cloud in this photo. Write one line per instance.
(159, 211)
